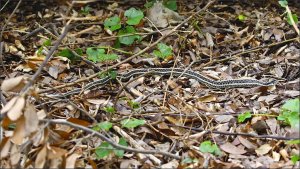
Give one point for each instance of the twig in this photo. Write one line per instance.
(1, 35)
(122, 88)
(101, 136)
(241, 52)
(236, 134)
(137, 54)
(48, 57)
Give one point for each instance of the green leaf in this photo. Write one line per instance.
(133, 16)
(291, 105)
(127, 40)
(189, 160)
(295, 158)
(109, 109)
(106, 125)
(290, 113)
(244, 116)
(208, 147)
(85, 10)
(103, 150)
(163, 51)
(112, 23)
(79, 51)
(242, 17)
(294, 17)
(134, 105)
(293, 142)
(68, 54)
(171, 4)
(120, 153)
(47, 42)
(132, 123)
(149, 4)
(283, 3)
(98, 55)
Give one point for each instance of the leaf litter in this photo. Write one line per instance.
(164, 114)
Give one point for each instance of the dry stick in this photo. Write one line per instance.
(48, 57)
(237, 53)
(1, 35)
(74, 105)
(102, 137)
(123, 87)
(237, 134)
(135, 55)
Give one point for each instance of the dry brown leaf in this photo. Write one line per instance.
(71, 160)
(132, 163)
(14, 84)
(264, 149)
(19, 132)
(5, 147)
(232, 149)
(172, 164)
(16, 110)
(246, 143)
(56, 152)
(31, 119)
(276, 156)
(15, 155)
(79, 122)
(9, 105)
(41, 157)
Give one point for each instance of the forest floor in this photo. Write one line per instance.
(50, 47)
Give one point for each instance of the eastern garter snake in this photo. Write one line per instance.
(221, 84)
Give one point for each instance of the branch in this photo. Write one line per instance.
(236, 134)
(137, 54)
(48, 57)
(101, 136)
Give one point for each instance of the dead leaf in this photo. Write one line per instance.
(15, 155)
(232, 149)
(55, 152)
(41, 157)
(5, 147)
(246, 143)
(19, 132)
(31, 119)
(264, 149)
(71, 160)
(14, 84)
(172, 164)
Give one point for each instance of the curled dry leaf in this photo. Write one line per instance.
(14, 108)
(14, 84)
(71, 160)
(19, 132)
(41, 158)
(31, 119)
(5, 147)
(15, 155)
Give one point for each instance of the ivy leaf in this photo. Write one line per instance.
(68, 54)
(103, 150)
(290, 113)
(208, 147)
(294, 17)
(127, 40)
(99, 55)
(134, 105)
(120, 153)
(242, 17)
(47, 42)
(295, 158)
(283, 3)
(85, 10)
(163, 51)
(244, 116)
(133, 16)
(132, 123)
(106, 125)
(112, 23)
(109, 109)
(149, 4)
(171, 4)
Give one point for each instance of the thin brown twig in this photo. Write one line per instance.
(241, 52)
(237, 134)
(48, 57)
(101, 136)
(138, 53)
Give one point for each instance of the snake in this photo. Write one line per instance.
(176, 72)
